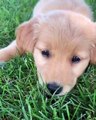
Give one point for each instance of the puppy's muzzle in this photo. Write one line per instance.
(54, 88)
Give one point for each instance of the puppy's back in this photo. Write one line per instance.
(78, 6)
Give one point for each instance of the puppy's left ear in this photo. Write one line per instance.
(26, 35)
(93, 46)
(93, 54)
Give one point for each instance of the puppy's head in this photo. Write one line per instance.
(62, 43)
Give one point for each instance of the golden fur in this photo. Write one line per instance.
(63, 27)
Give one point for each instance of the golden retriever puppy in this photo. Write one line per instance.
(61, 36)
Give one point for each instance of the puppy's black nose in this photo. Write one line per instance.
(53, 87)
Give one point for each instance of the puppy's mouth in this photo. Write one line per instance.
(66, 90)
(49, 94)
(55, 89)
(60, 91)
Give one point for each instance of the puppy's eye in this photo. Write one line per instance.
(46, 53)
(76, 59)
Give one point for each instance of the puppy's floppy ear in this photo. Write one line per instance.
(93, 46)
(93, 54)
(26, 36)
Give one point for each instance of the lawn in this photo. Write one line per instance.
(21, 97)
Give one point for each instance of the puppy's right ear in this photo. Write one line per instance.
(26, 35)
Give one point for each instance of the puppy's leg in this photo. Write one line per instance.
(9, 52)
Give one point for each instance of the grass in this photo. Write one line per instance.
(21, 97)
